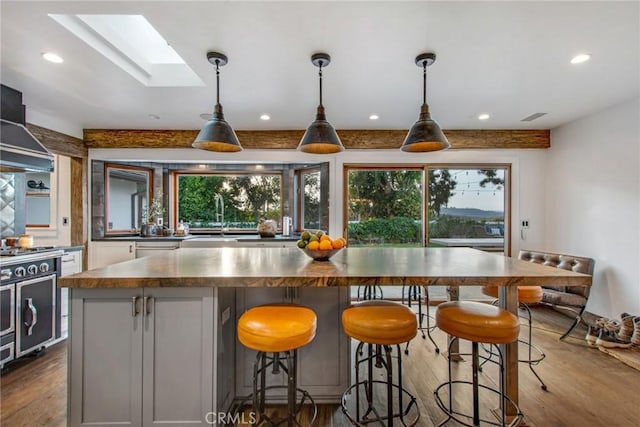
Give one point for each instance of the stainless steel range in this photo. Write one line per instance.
(28, 301)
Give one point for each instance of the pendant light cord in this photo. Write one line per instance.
(217, 81)
(424, 82)
(320, 76)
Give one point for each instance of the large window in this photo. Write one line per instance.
(467, 207)
(227, 202)
(384, 206)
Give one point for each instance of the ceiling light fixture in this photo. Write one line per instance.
(53, 57)
(320, 137)
(483, 116)
(217, 134)
(265, 117)
(374, 117)
(583, 57)
(425, 134)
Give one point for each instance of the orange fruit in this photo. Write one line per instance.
(325, 237)
(337, 244)
(325, 245)
(313, 245)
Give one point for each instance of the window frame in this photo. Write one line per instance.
(107, 185)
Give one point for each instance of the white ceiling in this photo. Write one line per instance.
(509, 59)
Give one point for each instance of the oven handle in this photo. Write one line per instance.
(34, 315)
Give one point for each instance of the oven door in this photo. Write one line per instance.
(7, 308)
(36, 309)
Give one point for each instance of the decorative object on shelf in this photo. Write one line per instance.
(217, 134)
(152, 217)
(267, 228)
(37, 185)
(425, 134)
(320, 137)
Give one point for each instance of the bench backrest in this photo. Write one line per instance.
(567, 262)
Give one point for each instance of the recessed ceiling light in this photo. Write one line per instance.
(483, 116)
(374, 117)
(154, 116)
(53, 57)
(583, 57)
(265, 117)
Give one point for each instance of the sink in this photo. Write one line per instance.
(209, 242)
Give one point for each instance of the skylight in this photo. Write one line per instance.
(131, 42)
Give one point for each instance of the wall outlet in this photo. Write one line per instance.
(65, 220)
(525, 223)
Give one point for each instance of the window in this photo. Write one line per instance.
(222, 202)
(384, 206)
(467, 206)
(310, 213)
(127, 195)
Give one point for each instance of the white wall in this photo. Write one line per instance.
(592, 194)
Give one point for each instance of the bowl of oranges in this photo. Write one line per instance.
(319, 245)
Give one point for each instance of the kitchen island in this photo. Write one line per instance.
(173, 310)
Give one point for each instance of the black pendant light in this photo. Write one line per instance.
(217, 134)
(320, 137)
(425, 134)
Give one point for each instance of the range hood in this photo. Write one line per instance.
(20, 151)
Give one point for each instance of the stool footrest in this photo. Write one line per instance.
(467, 419)
(263, 418)
(401, 414)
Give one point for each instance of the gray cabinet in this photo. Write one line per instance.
(323, 365)
(141, 357)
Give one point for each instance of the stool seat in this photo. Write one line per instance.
(526, 294)
(380, 322)
(478, 322)
(277, 327)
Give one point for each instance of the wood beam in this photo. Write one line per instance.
(57, 142)
(79, 205)
(289, 139)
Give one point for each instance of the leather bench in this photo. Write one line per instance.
(569, 298)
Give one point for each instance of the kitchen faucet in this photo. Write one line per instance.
(218, 202)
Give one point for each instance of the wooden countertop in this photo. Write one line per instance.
(259, 267)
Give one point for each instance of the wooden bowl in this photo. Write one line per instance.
(320, 255)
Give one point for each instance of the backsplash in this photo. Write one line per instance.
(12, 204)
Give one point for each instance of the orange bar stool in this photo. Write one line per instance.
(276, 331)
(527, 295)
(381, 326)
(478, 323)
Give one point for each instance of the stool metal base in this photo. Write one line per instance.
(415, 294)
(474, 420)
(394, 415)
(258, 397)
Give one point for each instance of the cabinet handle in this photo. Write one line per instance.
(146, 304)
(28, 302)
(134, 306)
(130, 249)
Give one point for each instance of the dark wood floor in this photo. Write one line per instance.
(586, 387)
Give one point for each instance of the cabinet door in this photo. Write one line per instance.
(323, 364)
(105, 359)
(178, 356)
(245, 357)
(102, 254)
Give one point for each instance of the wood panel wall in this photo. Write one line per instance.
(289, 139)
